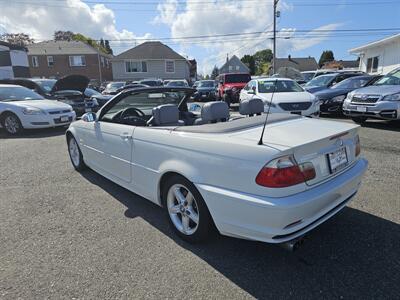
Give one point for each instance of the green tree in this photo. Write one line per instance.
(102, 43)
(326, 56)
(214, 73)
(107, 47)
(21, 39)
(249, 61)
(60, 35)
(261, 58)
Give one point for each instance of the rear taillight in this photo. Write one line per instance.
(283, 172)
(358, 146)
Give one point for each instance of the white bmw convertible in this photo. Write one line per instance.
(213, 171)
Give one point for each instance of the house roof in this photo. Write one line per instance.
(234, 59)
(299, 63)
(62, 48)
(150, 50)
(387, 40)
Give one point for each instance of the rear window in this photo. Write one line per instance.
(237, 78)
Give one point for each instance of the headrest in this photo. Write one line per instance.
(251, 106)
(166, 114)
(215, 111)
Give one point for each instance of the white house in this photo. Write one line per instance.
(379, 57)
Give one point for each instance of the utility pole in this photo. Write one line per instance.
(274, 39)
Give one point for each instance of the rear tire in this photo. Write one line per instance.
(11, 124)
(75, 154)
(359, 120)
(186, 210)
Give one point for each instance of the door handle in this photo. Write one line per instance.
(125, 136)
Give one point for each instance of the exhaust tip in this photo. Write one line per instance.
(293, 245)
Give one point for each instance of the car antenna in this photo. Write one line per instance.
(260, 142)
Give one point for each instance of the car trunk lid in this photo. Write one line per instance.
(310, 140)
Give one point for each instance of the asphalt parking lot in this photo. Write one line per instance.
(70, 235)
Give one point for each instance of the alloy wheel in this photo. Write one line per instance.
(74, 152)
(11, 124)
(183, 209)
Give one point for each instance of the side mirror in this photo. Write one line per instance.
(89, 117)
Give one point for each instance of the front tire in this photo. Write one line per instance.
(11, 123)
(186, 210)
(75, 154)
(227, 100)
(359, 120)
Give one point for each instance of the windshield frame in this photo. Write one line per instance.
(182, 104)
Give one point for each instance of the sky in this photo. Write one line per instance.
(305, 27)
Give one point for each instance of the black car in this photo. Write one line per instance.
(70, 89)
(325, 81)
(205, 90)
(331, 99)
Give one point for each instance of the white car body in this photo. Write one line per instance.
(46, 113)
(223, 167)
(302, 103)
(54, 113)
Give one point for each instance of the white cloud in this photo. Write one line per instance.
(225, 17)
(41, 21)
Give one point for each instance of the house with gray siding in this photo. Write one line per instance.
(234, 65)
(150, 60)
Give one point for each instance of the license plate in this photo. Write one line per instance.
(337, 159)
(362, 108)
(88, 110)
(64, 119)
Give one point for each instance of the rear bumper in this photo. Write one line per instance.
(269, 220)
(385, 110)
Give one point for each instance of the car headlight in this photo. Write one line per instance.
(338, 98)
(350, 95)
(394, 97)
(32, 111)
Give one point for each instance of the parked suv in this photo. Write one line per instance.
(379, 101)
(230, 85)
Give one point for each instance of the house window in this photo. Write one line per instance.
(237, 68)
(136, 66)
(50, 61)
(230, 68)
(372, 64)
(169, 66)
(35, 61)
(77, 61)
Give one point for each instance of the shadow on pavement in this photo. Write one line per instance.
(353, 255)
(35, 133)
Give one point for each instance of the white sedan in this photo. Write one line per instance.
(21, 108)
(283, 95)
(212, 171)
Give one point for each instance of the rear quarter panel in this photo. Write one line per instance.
(215, 160)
